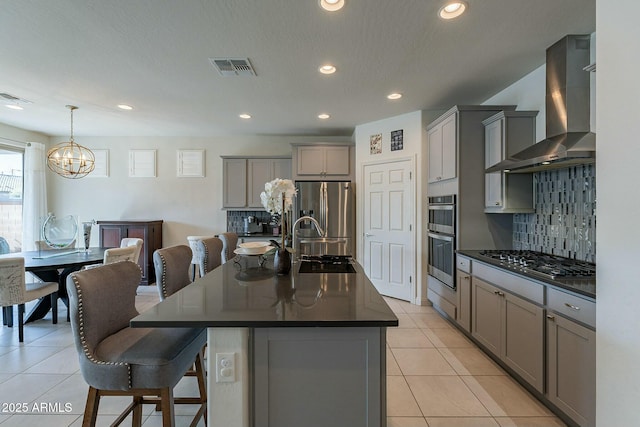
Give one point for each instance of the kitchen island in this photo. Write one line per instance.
(304, 349)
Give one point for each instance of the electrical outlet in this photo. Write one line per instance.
(225, 367)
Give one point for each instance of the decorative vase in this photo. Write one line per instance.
(86, 231)
(282, 262)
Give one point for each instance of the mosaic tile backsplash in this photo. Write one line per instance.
(235, 220)
(564, 222)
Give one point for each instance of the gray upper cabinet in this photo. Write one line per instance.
(244, 179)
(234, 191)
(319, 162)
(507, 133)
(442, 143)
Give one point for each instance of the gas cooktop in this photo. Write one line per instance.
(541, 264)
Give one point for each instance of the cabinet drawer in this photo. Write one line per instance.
(463, 263)
(572, 306)
(518, 285)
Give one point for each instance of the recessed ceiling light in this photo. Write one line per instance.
(327, 69)
(125, 107)
(452, 10)
(14, 106)
(394, 95)
(546, 163)
(323, 116)
(331, 5)
(245, 116)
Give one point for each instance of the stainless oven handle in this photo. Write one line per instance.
(441, 207)
(440, 237)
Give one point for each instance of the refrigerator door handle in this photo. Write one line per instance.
(324, 207)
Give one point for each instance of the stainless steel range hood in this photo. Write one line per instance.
(569, 140)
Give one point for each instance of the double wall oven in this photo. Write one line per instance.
(441, 236)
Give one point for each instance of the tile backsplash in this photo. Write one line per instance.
(564, 222)
(235, 220)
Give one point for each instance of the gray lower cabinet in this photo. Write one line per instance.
(571, 367)
(511, 328)
(318, 377)
(463, 280)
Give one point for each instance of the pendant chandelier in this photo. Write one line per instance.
(71, 160)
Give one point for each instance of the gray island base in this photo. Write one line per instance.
(307, 349)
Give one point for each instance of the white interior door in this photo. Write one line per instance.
(389, 253)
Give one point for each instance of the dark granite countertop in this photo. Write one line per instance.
(243, 294)
(584, 287)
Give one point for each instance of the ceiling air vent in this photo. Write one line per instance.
(14, 99)
(233, 66)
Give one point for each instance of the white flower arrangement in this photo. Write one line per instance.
(278, 195)
(277, 199)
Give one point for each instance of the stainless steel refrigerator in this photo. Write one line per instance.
(333, 205)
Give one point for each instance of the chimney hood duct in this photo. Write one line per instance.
(569, 140)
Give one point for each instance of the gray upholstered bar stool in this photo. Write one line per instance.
(117, 360)
(229, 244)
(172, 266)
(209, 254)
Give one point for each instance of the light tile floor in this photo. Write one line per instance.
(436, 378)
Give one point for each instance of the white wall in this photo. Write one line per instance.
(189, 206)
(618, 237)
(528, 94)
(414, 135)
(10, 134)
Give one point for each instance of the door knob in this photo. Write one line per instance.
(368, 234)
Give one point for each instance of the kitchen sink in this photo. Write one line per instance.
(326, 264)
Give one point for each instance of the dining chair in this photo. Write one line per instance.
(172, 266)
(118, 360)
(195, 260)
(209, 254)
(128, 253)
(133, 241)
(112, 255)
(14, 291)
(41, 245)
(4, 246)
(229, 244)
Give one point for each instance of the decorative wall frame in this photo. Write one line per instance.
(190, 163)
(375, 144)
(397, 140)
(142, 163)
(101, 169)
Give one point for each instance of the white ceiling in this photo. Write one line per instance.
(154, 55)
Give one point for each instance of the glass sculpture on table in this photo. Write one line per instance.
(59, 233)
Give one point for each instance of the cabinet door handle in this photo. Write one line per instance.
(571, 306)
(552, 318)
(368, 234)
(467, 277)
(497, 203)
(501, 294)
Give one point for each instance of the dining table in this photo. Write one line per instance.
(55, 266)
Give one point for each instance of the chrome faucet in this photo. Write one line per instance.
(315, 223)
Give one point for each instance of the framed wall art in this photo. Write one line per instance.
(142, 163)
(190, 163)
(396, 140)
(101, 169)
(375, 142)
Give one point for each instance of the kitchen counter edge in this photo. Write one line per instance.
(575, 286)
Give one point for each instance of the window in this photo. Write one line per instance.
(11, 166)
